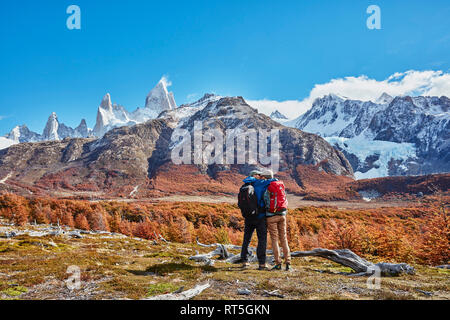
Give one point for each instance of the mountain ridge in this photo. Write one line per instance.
(393, 136)
(139, 156)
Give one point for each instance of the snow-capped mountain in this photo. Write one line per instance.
(391, 136)
(203, 101)
(278, 116)
(159, 99)
(387, 136)
(109, 116)
(51, 128)
(142, 155)
(54, 130)
(22, 134)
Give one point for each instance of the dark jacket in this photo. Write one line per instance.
(260, 187)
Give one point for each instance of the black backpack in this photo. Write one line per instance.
(247, 201)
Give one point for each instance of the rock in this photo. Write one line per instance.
(51, 243)
(244, 292)
(11, 234)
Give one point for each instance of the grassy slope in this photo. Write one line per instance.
(116, 267)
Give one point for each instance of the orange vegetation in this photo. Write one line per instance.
(416, 234)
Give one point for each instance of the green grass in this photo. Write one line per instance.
(135, 269)
(161, 288)
(14, 292)
(167, 268)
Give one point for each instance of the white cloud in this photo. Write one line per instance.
(290, 108)
(166, 81)
(192, 97)
(426, 83)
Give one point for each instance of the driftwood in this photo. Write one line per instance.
(222, 252)
(361, 266)
(274, 293)
(345, 257)
(184, 295)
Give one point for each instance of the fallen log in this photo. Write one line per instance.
(361, 266)
(184, 295)
(345, 257)
(223, 254)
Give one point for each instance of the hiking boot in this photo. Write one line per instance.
(245, 265)
(263, 267)
(288, 267)
(277, 267)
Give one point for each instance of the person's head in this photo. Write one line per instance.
(256, 174)
(267, 174)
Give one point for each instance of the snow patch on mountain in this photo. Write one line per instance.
(392, 136)
(384, 151)
(6, 143)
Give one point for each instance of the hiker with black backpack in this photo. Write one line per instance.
(276, 210)
(251, 203)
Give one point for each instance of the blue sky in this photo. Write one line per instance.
(260, 49)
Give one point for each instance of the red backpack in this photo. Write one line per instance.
(278, 201)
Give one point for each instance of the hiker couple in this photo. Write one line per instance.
(263, 203)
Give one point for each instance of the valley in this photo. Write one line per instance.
(120, 254)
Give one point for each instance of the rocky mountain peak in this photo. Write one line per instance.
(22, 134)
(51, 128)
(159, 98)
(277, 115)
(106, 102)
(82, 130)
(384, 99)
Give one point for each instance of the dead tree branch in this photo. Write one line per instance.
(345, 257)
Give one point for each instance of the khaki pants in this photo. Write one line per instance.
(277, 230)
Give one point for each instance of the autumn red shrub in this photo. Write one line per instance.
(434, 246)
(418, 233)
(81, 222)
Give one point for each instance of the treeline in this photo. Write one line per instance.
(420, 234)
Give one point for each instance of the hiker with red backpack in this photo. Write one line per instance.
(251, 203)
(276, 209)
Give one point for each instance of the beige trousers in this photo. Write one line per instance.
(276, 226)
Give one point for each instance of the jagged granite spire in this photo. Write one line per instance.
(51, 128)
(159, 99)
